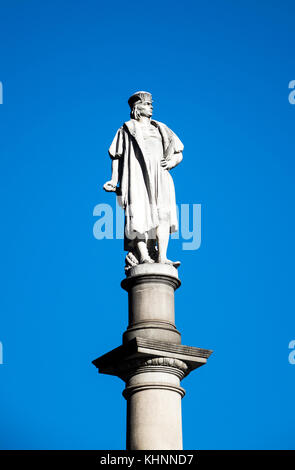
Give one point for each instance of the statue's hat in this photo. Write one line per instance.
(139, 96)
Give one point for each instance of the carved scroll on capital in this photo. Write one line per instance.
(154, 364)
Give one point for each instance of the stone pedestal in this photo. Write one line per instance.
(151, 360)
(150, 290)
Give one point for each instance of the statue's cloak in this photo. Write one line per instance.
(135, 194)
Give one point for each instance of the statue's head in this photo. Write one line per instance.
(141, 104)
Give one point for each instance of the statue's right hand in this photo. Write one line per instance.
(110, 186)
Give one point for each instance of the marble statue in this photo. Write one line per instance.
(143, 152)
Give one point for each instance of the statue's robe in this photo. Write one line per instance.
(136, 192)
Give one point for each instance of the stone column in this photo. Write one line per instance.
(154, 396)
(151, 360)
(153, 389)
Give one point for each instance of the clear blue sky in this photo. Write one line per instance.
(219, 74)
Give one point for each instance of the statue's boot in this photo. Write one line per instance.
(176, 264)
(147, 260)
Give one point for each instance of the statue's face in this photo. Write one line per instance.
(145, 108)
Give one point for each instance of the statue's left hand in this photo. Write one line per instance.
(166, 164)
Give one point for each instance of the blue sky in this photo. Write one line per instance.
(219, 74)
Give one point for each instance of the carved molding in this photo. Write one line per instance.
(131, 389)
(155, 364)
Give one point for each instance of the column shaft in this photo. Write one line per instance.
(154, 411)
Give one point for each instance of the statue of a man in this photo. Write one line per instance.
(142, 152)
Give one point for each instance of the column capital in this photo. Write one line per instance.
(162, 364)
(175, 358)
